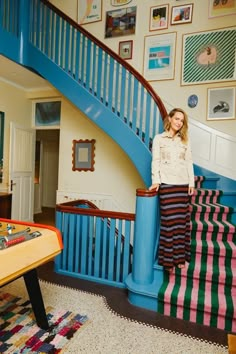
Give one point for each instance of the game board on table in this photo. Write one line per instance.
(24, 246)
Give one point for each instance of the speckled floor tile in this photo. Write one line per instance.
(110, 334)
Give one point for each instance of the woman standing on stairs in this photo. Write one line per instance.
(173, 178)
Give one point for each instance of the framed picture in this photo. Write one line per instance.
(83, 155)
(89, 11)
(158, 17)
(120, 2)
(120, 22)
(209, 56)
(47, 114)
(221, 103)
(219, 8)
(181, 14)
(159, 56)
(126, 49)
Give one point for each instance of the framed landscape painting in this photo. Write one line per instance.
(120, 22)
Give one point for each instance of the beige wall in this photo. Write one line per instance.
(170, 91)
(114, 173)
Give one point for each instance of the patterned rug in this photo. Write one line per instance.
(19, 332)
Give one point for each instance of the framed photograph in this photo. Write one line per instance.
(89, 11)
(158, 17)
(181, 14)
(120, 2)
(120, 22)
(47, 114)
(219, 8)
(209, 56)
(126, 49)
(159, 56)
(83, 155)
(221, 103)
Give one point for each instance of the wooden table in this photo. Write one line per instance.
(23, 258)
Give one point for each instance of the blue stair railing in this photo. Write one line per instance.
(93, 77)
(97, 243)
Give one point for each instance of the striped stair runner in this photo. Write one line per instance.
(205, 291)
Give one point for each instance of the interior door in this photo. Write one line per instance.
(22, 156)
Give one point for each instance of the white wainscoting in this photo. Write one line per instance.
(213, 150)
(102, 201)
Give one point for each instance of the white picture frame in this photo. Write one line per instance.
(221, 103)
(159, 57)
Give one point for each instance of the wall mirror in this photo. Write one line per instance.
(1, 144)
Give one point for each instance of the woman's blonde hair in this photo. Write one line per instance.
(184, 130)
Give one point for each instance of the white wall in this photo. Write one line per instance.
(170, 91)
(17, 109)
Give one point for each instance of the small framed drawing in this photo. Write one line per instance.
(46, 114)
(219, 8)
(89, 11)
(83, 155)
(158, 17)
(221, 103)
(126, 49)
(181, 14)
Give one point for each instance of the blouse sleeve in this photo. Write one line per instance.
(156, 160)
(189, 160)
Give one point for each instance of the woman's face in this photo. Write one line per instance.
(176, 122)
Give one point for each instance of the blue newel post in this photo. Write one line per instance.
(146, 277)
(145, 236)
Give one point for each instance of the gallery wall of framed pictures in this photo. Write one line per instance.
(167, 43)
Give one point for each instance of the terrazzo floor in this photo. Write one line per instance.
(109, 333)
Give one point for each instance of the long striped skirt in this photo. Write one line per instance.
(174, 243)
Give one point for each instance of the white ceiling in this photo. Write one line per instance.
(20, 77)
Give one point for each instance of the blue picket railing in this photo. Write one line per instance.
(99, 70)
(97, 243)
(93, 77)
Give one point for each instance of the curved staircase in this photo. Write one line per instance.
(118, 100)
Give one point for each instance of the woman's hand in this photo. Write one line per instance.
(190, 190)
(154, 186)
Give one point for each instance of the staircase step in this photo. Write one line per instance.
(206, 195)
(215, 248)
(212, 226)
(210, 208)
(208, 272)
(209, 305)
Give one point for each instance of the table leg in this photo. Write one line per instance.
(36, 299)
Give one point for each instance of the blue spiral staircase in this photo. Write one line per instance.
(96, 80)
(105, 88)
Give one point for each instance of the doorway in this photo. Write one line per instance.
(46, 169)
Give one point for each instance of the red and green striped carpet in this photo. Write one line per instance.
(205, 291)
